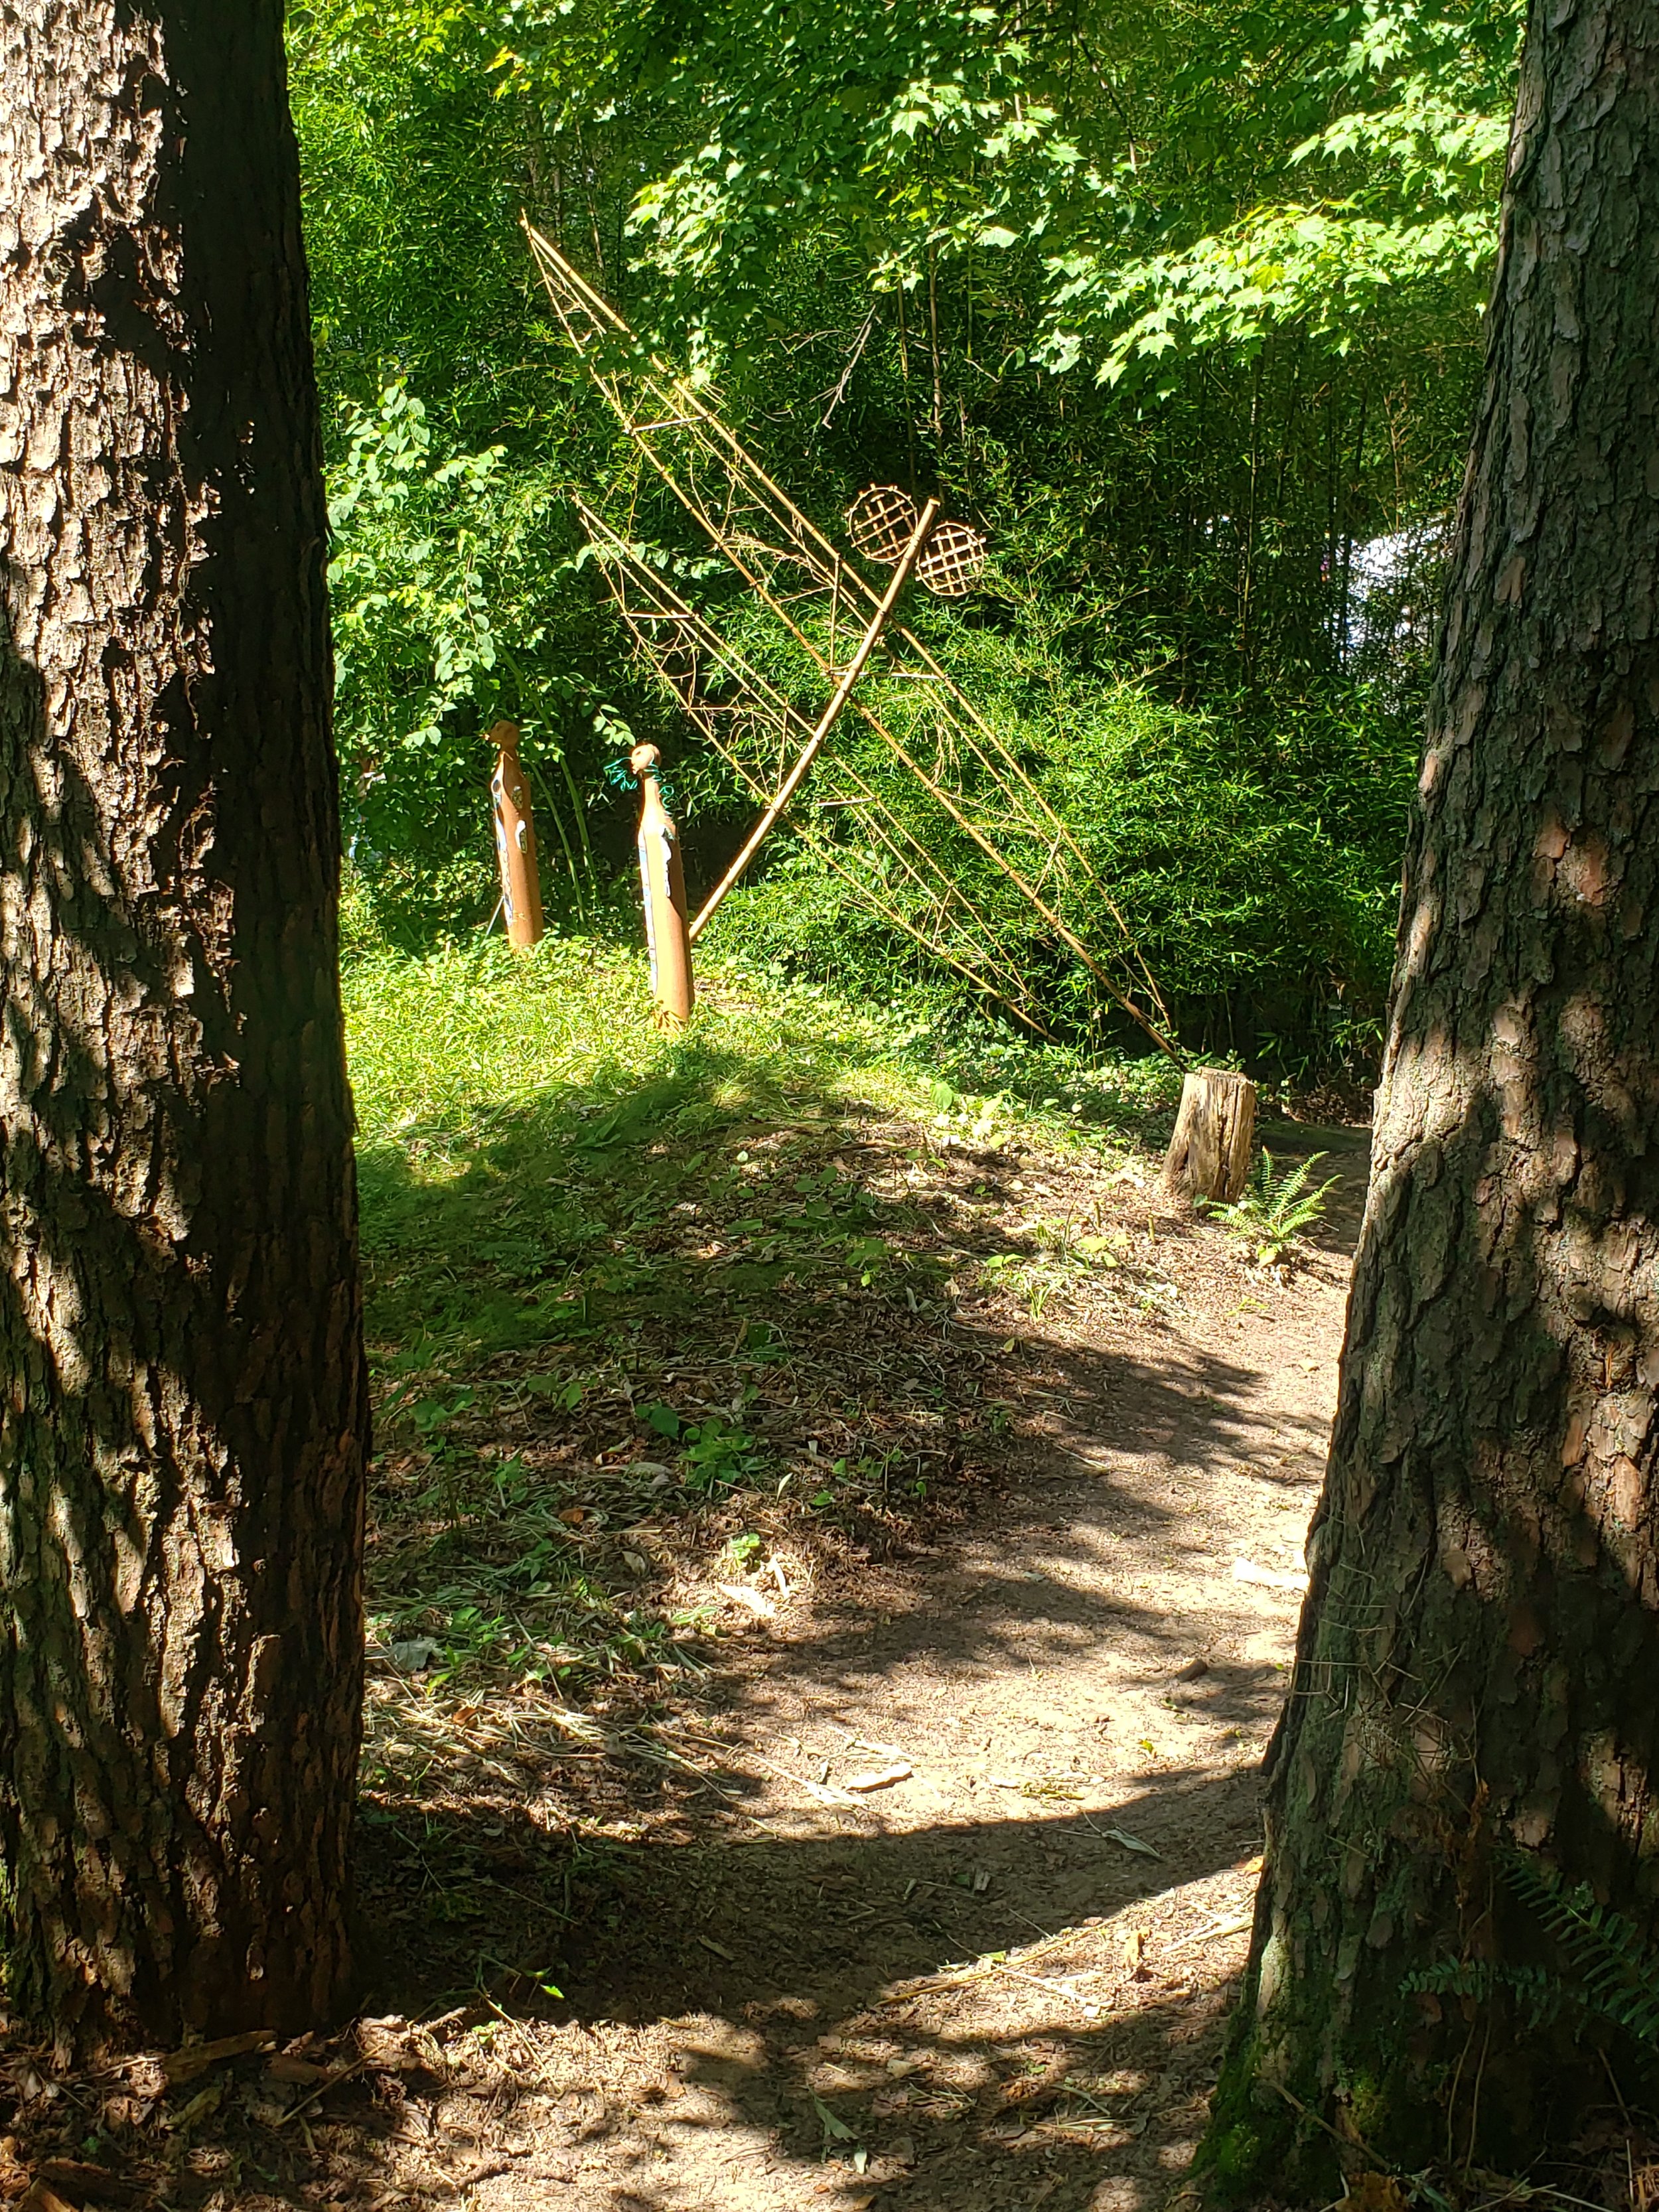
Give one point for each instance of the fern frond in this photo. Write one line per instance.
(1543, 1995)
(1616, 1968)
(1272, 1212)
(1291, 1187)
(1453, 1977)
(1613, 1969)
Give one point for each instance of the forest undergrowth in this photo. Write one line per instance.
(1215, 506)
(834, 1547)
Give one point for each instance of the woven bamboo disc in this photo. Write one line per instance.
(880, 522)
(952, 561)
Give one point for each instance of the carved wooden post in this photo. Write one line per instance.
(515, 841)
(662, 878)
(1214, 1139)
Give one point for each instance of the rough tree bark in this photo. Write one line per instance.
(182, 1408)
(1477, 1659)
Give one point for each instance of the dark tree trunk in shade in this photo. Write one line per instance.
(183, 1428)
(1474, 1693)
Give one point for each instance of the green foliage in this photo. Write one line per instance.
(413, 177)
(1539, 1995)
(718, 1456)
(1608, 1969)
(908, 244)
(450, 438)
(1387, 208)
(1251, 861)
(440, 569)
(1614, 1968)
(1272, 1212)
(1163, 178)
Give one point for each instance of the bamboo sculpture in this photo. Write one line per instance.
(960, 764)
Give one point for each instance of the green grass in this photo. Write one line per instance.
(631, 1295)
(449, 1041)
(526, 1132)
(461, 1039)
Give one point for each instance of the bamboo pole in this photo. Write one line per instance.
(826, 720)
(515, 841)
(662, 878)
(948, 893)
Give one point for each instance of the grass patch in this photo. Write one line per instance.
(451, 1039)
(664, 1328)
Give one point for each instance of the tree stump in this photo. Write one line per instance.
(1214, 1139)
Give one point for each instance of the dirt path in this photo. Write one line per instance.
(999, 1979)
(648, 1944)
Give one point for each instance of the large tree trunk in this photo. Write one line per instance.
(1474, 1690)
(182, 1407)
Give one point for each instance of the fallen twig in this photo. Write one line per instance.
(1213, 1934)
(956, 1976)
(344, 2074)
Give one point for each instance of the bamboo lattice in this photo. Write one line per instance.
(958, 765)
(743, 715)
